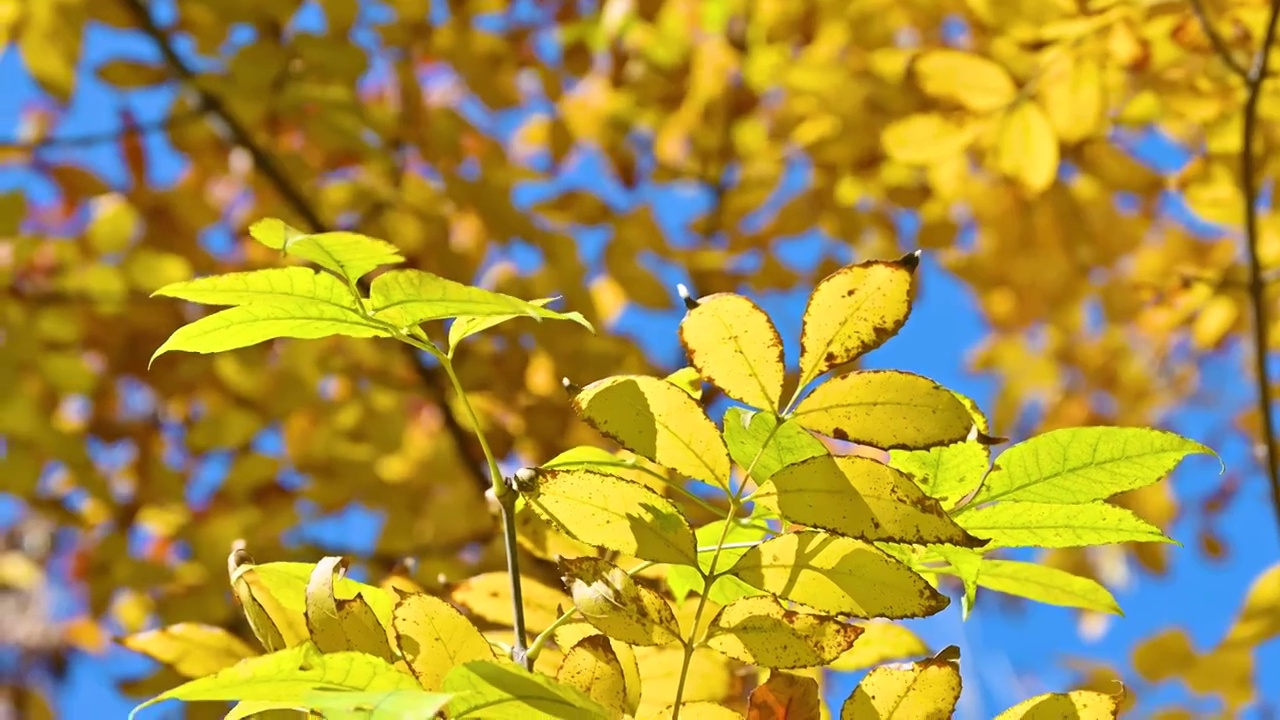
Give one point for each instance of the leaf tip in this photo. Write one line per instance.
(685, 297)
(569, 387)
(910, 261)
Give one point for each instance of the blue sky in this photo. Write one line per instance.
(1006, 656)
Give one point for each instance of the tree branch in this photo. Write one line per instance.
(1219, 44)
(105, 136)
(1254, 77)
(297, 201)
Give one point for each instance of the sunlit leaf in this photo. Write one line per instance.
(862, 498)
(759, 631)
(683, 579)
(926, 690)
(264, 287)
(464, 326)
(759, 441)
(612, 602)
(702, 709)
(1259, 618)
(593, 667)
(1027, 149)
(1080, 465)
(503, 690)
(433, 636)
(735, 346)
(340, 625)
(1077, 704)
(885, 409)
(965, 78)
(350, 255)
(409, 297)
(192, 649)
(838, 575)
(926, 138)
(488, 596)
(607, 511)
(571, 633)
(656, 420)
(1046, 584)
(881, 641)
(785, 696)
(1052, 525)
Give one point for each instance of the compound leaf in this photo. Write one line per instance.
(764, 443)
(926, 690)
(263, 287)
(348, 254)
(1057, 525)
(593, 667)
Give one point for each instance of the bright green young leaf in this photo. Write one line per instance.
(966, 564)
(611, 512)
(926, 690)
(684, 579)
(263, 287)
(746, 432)
(887, 409)
(293, 677)
(350, 255)
(464, 326)
(862, 498)
(1077, 705)
(340, 625)
(247, 325)
(1053, 525)
(760, 631)
(838, 575)
(659, 421)
(949, 473)
(616, 605)
(409, 297)
(505, 691)
(735, 346)
(392, 705)
(1046, 584)
(433, 636)
(1083, 464)
(593, 667)
(853, 311)
(687, 379)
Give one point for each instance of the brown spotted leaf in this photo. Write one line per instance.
(760, 631)
(926, 690)
(735, 346)
(611, 601)
(887, 409)
(593, 667)
(341, 625)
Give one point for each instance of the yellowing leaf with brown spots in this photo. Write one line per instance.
(838, 575)
(701, 710)
(927, 690)
(488, 596)
(342, 625)
(433, 636)
(1077, 705)
(592, 667)
(785, 696)
(191, 649)
(735, 346)
(926, 139)
(852, 311)
(611, 601)
(862, 498)
(964, 78)
(1027, 148)
(276, 625)
(711, 678)
(659, 421)
(760, 631)
(607, 511)
(881, 641)
(887, 409)
(573, 632)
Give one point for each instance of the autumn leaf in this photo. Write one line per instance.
(964, 78)
(760, 631)
(192, 649)
(735, 346)
(611, 601)
(927, 690)
(885, 409)
(432, 637)
(341, 625)
(784, 696)
(1026, 148)
(1081, 704)
(593, 667)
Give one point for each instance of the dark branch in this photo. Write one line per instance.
(106, 136)
(297, 201)
(1219, 44)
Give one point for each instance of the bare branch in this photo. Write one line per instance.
(1219, 45)
(105, 136)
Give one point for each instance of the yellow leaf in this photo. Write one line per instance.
(927, 690)
(1259, 619)
(886, 409)
(926, 138)
(1027, 149)
(967, 79)
(341, 625)
(656, 420)
(572, 633)
(700, 710)
(881, 641)
(860, 497)
(610, 512)
(276, 626)
(49, 43)
(838, 575)
(488, 596)
(542, 538)
(710, 678)
(687, 379)
(116, 224)
(433, 636)
(735, 346)
(193, 650)
(1078, 705)
(1073, 96)
(132, 74)
(853, 311)
(592, 667)
(759, 631)
(612, 602)
(785, 696)
(1214, 322)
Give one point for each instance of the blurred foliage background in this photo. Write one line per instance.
(1072, 169)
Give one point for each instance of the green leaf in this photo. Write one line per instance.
(616, 605)
(746, 432)
(392, 705)
(1052, 525)
(948, 473)
(350, 255)
(248, 325)
(496, 691)
(611, 512)
(264, 287)
(839, 575)
(966, 564)
(735, 346)
(1080, 465)
(684, 579)
(464, 326)
(1045, 584)
(760, 631)
(301, 676)
(886, 409)
(409, 297)
(659, 421)
(862, 498)
(342, 625)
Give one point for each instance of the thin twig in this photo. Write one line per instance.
(105, 136)
(299, 204)
(1254, 77)
(1219, 44)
